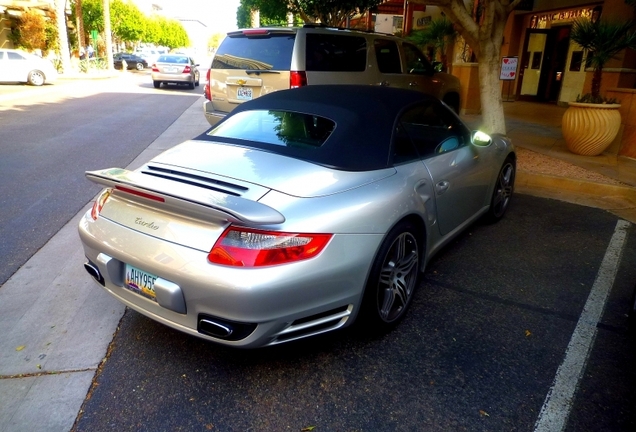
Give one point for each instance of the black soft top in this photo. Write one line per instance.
(365, 118)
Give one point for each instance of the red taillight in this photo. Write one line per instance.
(99, 203)
(140, 194)
(243, 247)
(155, 68)
(187, 69)
(206, 87)
(297, 79)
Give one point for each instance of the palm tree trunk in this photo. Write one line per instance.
(108, 37)
(81, 39)
(596, 82)
(62, 32)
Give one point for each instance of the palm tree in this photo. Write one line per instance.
(439, 33)
(601, 41)
(62, 34)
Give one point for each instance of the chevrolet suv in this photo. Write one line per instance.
(253, 62)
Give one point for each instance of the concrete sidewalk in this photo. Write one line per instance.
(56, 325)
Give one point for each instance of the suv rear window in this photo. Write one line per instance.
(335, 53)
(270, 52)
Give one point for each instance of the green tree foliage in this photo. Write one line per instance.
(215, 40)
(129, 24)
(329, 12)
(127, 21)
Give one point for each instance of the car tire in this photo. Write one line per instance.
(196, 83)
(36, 78)
(157, 84)
(191, 85)
(502, 193)
(139, 66)
(393, 279)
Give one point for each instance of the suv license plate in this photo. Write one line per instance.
(140, 282)
(244, 93)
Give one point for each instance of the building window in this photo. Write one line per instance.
(576, 61)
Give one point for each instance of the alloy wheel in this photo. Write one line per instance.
(398, 276)
(503, 189)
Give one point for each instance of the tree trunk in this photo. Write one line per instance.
(108, 37)
(493, 120)
(79, 17)
(62, 32)
(596, 82)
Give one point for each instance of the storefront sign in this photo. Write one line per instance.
(541, 21)
(509, 68)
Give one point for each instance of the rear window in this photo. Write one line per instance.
(335, 53)
(172, 59)
(280, 128)
(269, 52)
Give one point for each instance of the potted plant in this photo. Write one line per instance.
(592, 122)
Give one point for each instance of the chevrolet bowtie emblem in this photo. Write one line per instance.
(241, 82)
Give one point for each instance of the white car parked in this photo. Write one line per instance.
(20, 66)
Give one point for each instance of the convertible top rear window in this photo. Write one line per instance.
(277, 127)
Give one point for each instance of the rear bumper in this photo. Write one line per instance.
(280, 303)
(172, 78)
(213, 117)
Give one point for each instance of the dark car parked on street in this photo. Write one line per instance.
(132, 61)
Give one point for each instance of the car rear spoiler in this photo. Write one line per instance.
(190, 200)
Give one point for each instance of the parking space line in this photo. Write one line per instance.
(558, 402)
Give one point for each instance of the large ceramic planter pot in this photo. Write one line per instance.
(589, 129)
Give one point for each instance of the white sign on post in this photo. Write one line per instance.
(509, 68)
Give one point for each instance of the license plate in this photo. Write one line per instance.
(244, 93)
(140, 282)
(170, 69)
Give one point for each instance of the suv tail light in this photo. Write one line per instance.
(244, 247)
(206, 88)
(297, 79)
(187, 69)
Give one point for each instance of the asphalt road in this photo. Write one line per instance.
(489, 327)
(50, 135)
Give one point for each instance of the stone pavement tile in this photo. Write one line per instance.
(42, 403)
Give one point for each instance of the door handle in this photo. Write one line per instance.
(384, 83)
(413, 84)
(442, 187)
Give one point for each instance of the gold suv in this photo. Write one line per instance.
(252, 62)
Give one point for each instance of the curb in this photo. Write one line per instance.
(620, 200)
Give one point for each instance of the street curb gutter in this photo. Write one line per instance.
(620, 200)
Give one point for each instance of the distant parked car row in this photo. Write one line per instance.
(20, 66)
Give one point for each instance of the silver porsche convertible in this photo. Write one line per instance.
(302, 211)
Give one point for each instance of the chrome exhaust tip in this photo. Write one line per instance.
(94, 272)
(224, 329)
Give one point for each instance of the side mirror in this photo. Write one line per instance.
(480, 139)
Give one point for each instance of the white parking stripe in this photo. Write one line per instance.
(558, 403)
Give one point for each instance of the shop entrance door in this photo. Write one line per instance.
(543, 64)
